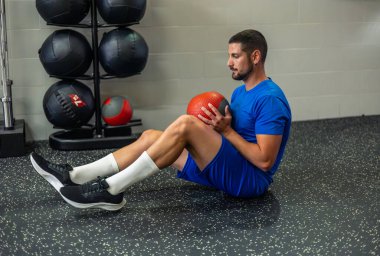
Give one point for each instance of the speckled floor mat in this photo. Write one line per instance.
(324, 201)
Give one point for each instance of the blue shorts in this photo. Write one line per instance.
(230, 172)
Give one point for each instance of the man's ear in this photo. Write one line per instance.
(255, 56)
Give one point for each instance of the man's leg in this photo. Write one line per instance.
(59, 175)
(128, 154)
(121, 158)
(186, 132)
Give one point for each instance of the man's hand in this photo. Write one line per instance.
(220, 123)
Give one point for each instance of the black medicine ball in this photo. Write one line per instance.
(66, 53)
(68, 104)
(121, 11)
(123, 52)
(63, 11)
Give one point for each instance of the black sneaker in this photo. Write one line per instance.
(93, 194)
(56, 174)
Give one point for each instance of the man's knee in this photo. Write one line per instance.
(148, 137)
(186, 124)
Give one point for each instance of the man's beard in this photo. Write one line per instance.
(244, 76)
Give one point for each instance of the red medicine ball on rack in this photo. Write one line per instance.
(116, 111)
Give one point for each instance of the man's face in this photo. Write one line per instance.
(239, 62)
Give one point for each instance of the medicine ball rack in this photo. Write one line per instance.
(96, 136)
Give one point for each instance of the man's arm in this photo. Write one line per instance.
(263, 154)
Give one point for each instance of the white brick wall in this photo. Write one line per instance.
(325, 54)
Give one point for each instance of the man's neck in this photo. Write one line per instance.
(257, 77)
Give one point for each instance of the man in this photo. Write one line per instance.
(237, 153)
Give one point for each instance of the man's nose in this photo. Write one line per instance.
(229, 62)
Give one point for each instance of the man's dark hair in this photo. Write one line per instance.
(251, 40)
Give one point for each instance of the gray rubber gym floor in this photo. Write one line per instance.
(324, 201)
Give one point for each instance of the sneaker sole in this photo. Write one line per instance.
(47, 176)
(102, 205)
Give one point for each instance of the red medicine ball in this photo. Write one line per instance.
(202, 100)
(116, 110)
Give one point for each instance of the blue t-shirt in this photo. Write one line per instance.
(262, 110)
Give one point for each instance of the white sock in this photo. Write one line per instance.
(102, 167)
(142, 168)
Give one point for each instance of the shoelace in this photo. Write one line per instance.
(94, 186)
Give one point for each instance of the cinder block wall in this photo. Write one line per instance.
(325, 54)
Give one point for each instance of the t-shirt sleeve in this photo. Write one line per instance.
(271, 116)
